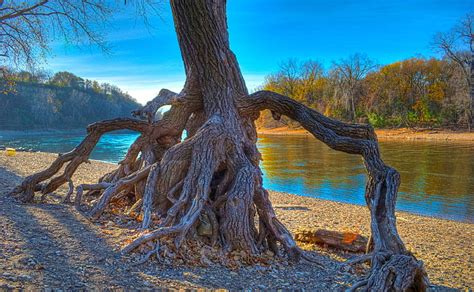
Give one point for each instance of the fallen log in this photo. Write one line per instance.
(347, 241)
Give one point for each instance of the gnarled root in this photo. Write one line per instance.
(74, 158)
(401, 271)
(221, 187)
(398, 272)
(206, 191)
(116, 188)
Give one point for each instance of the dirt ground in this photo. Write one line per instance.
(52, 245)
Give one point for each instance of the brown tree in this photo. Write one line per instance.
(458, 46)
(213, 175)
(349, 74)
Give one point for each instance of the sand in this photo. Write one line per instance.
(391, 134)
(53, 245)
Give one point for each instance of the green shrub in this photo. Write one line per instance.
(376, 120)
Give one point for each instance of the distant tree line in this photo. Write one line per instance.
(36, 100)
(64, 79)
(416, 92)
(412, 92)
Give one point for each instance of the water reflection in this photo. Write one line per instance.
(437, 178)
(111, 147)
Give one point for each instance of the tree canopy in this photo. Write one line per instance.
(411, 92)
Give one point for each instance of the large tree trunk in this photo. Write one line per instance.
(214, 73)
(208, 188)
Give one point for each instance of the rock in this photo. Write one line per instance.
(26, 278)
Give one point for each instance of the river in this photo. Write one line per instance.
(437, 177)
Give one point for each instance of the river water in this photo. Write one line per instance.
(437, 177)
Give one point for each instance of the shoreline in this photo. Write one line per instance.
(114, 165)
(408, 134)
(443, 135)
(444, 245)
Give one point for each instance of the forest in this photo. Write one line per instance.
(416, 92)
(61, 101)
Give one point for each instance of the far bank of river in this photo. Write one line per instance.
(382, 134)
(392, 134)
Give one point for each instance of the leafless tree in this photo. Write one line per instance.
(350, 72)
(457, 45)
(28, 27)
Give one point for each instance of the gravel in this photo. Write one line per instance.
(52, 246)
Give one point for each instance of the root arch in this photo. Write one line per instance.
(207, 189)
(210, 176)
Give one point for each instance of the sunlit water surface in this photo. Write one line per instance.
(437, 177)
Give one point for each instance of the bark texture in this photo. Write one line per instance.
(340, 240)
(208, 187)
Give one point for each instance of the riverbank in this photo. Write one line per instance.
(391, 134)
(52, 245)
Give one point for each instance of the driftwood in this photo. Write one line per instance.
(347, 241)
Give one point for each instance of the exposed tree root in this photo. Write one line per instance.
(75, 157)
(206, 188)
(202, 198)
(360, 259)
(114, 189)
(397, 269)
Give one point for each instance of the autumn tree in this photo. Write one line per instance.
(302, 81)
(407, 93)
(457, 45)
(213, 175)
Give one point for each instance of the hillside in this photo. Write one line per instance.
(32, 106)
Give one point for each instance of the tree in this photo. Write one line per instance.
(458, 46)
(350, 72)
(407, 92)
(67, 79)
(27, 27)
(303, 82)
(212, 178)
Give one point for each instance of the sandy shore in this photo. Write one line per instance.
(65, 249)
(392, 134)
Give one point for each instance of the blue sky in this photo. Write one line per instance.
(262, 35)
